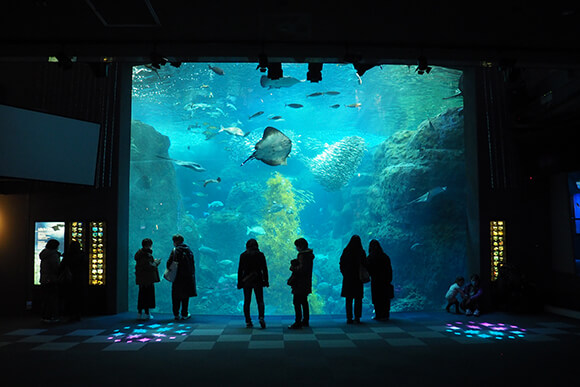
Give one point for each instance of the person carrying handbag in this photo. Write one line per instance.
(184, 285)
(146, 274)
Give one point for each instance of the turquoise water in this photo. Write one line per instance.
(339, 174)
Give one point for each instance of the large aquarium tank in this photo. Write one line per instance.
(220, 154)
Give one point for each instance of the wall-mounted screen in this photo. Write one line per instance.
(220, 154)
(43, 232)
(41, 146)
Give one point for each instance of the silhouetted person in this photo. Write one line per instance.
(253, 275)
(353, 256)
(301, 284)
(184, 285)
(49, 269)
(453, 292)
(473, 293)
(379, 267)
(146, 275)
(74, 291)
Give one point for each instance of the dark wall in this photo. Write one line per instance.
(79, 93)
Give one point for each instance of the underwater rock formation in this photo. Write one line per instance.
(334, 167)
(417, 207)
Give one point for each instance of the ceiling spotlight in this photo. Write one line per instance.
(422, 66)
(362, 68)
(275, 71)
(314, 73)
(262, 63)
(158, 60)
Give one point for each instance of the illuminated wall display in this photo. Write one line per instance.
(43, 232)
(77, 233)
(97, 255)
(497, 240)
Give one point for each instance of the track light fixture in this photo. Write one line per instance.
(262, 63)
(158, 60)
(362, 68)
(275, 71)
(422, 66)
(314, 73)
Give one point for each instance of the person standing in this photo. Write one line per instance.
(381, 272)
(184, 285)
(253, 276)
(353, 256)
(49, 269)
(146, 275)
(74, 290)
(301, 283)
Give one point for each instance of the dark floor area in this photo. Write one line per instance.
(412, 349)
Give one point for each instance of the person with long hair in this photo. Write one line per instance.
(381, 272)
(353, 256)
(146, 274)
(301, 283)
(253, 276)
(184, 286)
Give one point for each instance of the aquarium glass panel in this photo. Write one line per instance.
(220, 154)
(43, 232)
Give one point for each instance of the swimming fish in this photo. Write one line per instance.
(354, 105)
(276, 207)
(207, 250)
(278, 83)
(426, 197)
(317, 94)
(332, 92)
(275, 118)
(208, 181)
(216, 70)
(335, 106)
(187, 164)
(459, 87)
(273, 149)
(215, 204)
(234, 131)
(257, 230)
(256, 115)
(294, 105)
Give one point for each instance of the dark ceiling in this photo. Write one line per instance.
(448, 33)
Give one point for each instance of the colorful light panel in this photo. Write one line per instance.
(486, 330)
(497, 241)
(150, 333)
(77, 233)
(97, 253)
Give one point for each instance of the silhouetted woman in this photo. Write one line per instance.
(49, 269)
(184, 286)
(379, 267)
(74, 290)
(253, 275)
(301, 283)
(146, 274)
(353, 256)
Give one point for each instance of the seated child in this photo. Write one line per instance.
(452, 293)
(473, 294)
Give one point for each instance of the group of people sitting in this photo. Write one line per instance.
(470, 296)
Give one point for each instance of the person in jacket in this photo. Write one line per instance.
(353, 256)
(253, 276)
(146, 275)
(301, 283)
(451, 296)
(73, 290)
(49, 270)
(184, 285)
(473, 293)
(381, 272)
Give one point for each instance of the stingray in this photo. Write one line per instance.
(187, 164)
(426, 197)
(273, 148)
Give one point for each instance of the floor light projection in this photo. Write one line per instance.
(486, 330)
(149, 333)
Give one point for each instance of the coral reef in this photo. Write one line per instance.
(334, 167)
(417, 207)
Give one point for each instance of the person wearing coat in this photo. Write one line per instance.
(184, 285)
(253, 275)
(301, 283)
(49, 269)
(74, 290)
(381, 272)
(146, 274)
(353, 256)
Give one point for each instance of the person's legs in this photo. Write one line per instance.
(259, 292)
(348, 306)
(247, 301)
(387, 309)
(357, 309)
(185, 307)
(175, 303)
(297, 311)
(305, 311)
